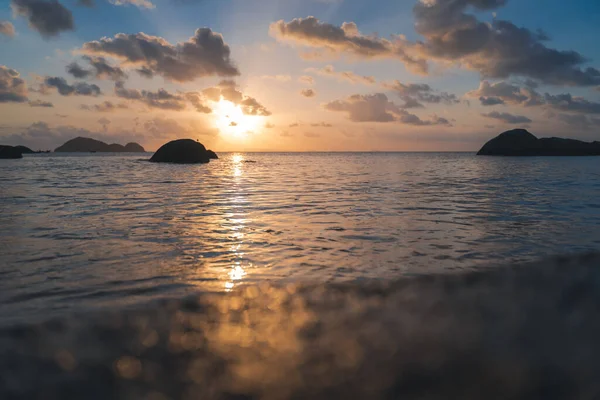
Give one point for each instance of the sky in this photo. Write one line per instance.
(298, 75)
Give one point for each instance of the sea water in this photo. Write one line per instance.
(83, 232)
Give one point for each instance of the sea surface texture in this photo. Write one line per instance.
(91, 232)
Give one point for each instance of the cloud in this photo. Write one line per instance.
(123, 92)
(411, 119)
(48, 17)
(40, 103)
(451, 36)
(7, 28)
(508, 118)
(161, 99)
(228, 90)
(138, 3)
(345, 39)
(198, 102)
(378, 108)
(313, 124)
(12, 86)
(308, 93)
(165, 100)
(530, 83)
(251, 106)
(77, 89)
(104, 107)
(269, 125)
(414, 93)
(164, 127)
(307, 80)
(579, 121)
(496, 50)
(100, 69)
(346, 76)
(103, 69)
(77, 71)
(321, 124)
(366, 108)
(105, 122)
(312, 135)
(505, 93)
(567, 102)
(145, 72)
(491, 101)
(205, 54)
(278, 78)
(167, 128)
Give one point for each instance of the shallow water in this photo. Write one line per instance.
(81, 232)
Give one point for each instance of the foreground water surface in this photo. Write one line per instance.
(81, 232)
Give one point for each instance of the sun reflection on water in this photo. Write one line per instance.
(237, 272)
(237, 159)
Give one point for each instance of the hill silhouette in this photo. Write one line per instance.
(520, 142)
(83, 145)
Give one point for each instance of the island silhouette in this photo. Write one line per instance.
(520, 142)
(516, 142)
(86, 145)
(11, 152)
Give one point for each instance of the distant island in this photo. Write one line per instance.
(87, 145)
(520, 142)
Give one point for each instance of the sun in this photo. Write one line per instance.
(231, 120)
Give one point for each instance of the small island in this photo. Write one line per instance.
(184, 151)
(520, 142)
(87, 145)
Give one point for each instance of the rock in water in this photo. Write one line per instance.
(182, 151)
(24, 149)
(212, 155)
(10, 152)
(519, 142)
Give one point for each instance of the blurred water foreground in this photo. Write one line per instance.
(524, 332)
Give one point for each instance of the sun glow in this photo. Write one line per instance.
(231, 120)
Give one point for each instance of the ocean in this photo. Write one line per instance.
(85, 232)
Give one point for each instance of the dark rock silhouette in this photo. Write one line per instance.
(183, 151)
(115, 148)
(10, 152)
(83, 145)
(134, 148)
(519, 142)
(212, 155)
(25, 150)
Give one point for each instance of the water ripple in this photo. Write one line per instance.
(91, 231)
